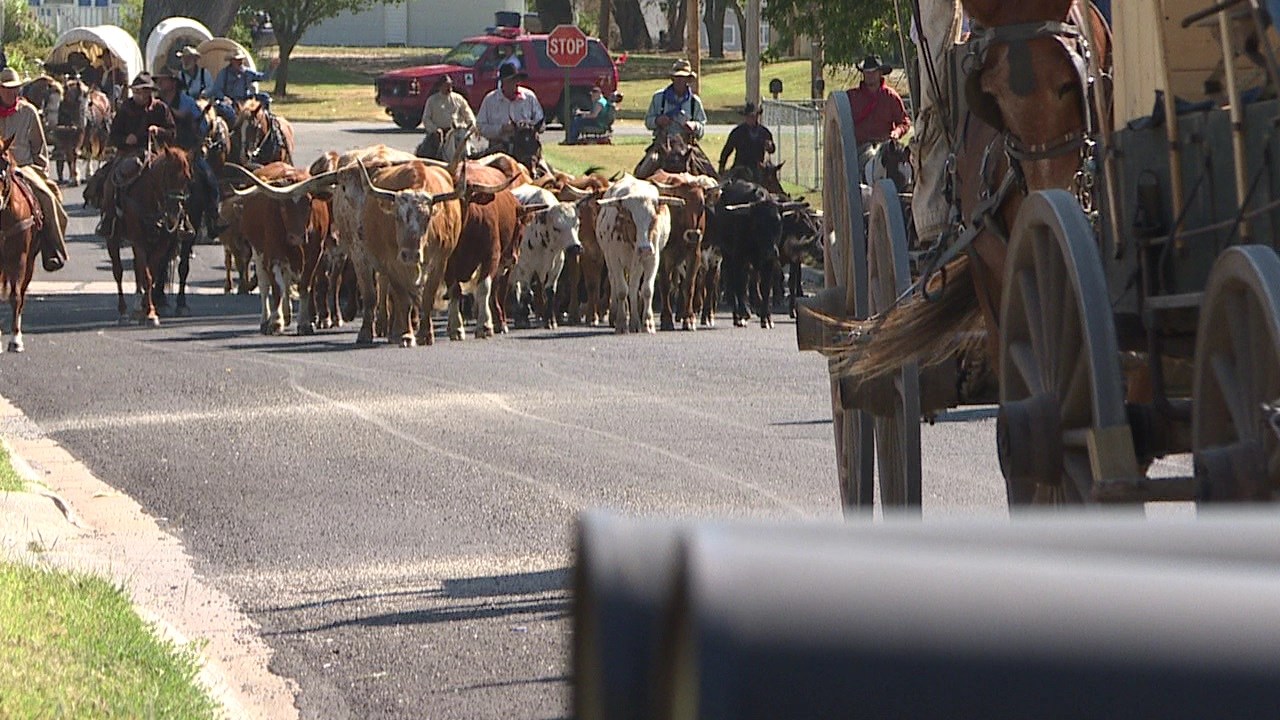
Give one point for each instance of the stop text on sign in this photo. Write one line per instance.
(567, 45)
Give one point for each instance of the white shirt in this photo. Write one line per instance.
(496, 110)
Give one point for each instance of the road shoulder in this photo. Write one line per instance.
(81, 523)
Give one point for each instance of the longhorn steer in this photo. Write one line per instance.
(747, 227)
(801, 240)
(682, 256)
(633, 226)
(486, 251)
(550, 233)
(287, 227)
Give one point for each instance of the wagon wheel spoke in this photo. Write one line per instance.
(1224, 372)
(1024, 360)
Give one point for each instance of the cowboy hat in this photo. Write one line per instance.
(506, 72)
(168, 74)
(189, 51)
(682, 68)
(750, 109)
(142, 82)
(871, 63)
(9, 78)
(237, 55)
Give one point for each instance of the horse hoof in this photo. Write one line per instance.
(688, 325)
(457, 335)
(408, 341)
(306, 329)
(16, 346)
(484, 333)
(364, 341)
(668, 325)
(739, 322)
(151, 321)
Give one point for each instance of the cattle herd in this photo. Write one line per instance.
(393, 237)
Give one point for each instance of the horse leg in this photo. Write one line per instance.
(117, 271)
(184, 268)
(227, 261)
(146, 282)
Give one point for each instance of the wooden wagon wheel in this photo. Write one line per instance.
(1062, 426)
(845, 265)
(1235, 423)
(897, 407)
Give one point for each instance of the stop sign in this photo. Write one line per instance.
(567, 46)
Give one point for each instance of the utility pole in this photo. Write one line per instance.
(751, 51)
(693, 39)
(606, 10)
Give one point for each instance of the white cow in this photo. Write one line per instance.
(632, 227)
(550, 231)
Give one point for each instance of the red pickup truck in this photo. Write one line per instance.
(473, 64)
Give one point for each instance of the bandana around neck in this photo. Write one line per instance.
(8, 111)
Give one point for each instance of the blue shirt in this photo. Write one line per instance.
(238, 87)
(194, 126)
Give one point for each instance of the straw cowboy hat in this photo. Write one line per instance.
(237, 55)
(142, 82)
(871, 63)
(682, 68)
(189, 51)
(9, 78)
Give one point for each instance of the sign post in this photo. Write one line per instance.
(566, 47)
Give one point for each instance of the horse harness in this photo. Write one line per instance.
(959, 236)
(272, 141)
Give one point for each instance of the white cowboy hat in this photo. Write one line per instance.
(10, 78)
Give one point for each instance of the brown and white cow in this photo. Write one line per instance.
(682, 257)
(584, 280)
(487, 250)
(550, 235)
(287, 228)
(633, 226)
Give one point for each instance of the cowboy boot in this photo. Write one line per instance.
(53, 255)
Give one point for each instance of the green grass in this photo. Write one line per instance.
(72, 646)
(10, 480)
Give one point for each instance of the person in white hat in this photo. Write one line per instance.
(197, 81)
(677, 103)
(19, 120)
(510, 105)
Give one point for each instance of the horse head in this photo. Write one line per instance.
(526, 147)
(1030, 83)
(769, 178)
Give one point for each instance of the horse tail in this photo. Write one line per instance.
(928, 331)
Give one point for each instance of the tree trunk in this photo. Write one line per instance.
(741, 17)
(554, 12)
(606, 22)
(286, 46)
(631, 25)
(217, 15)
(677, 12)
(713, 16)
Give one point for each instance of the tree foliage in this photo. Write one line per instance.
(847, 30)
(290, 19)
(26, 39)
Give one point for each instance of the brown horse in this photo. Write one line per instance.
(155, 215)
(675, 152)
(18, 248)
(95, 143)
(260, 137)
(1027, 102)
(68, 132)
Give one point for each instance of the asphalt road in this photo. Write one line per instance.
(399, 521)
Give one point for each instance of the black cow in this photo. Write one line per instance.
(801, 240)
(747, 228)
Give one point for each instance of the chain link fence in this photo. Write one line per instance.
(797, 132)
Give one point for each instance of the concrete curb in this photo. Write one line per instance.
(81, 523)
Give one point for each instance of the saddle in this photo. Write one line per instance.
(37, 213)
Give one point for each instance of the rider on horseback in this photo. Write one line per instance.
(18, 118)
(749, 143)
(509, 106)
(676, 110)
(235, 84)
(445, 110)
(196, 81)
(878, 112)
(143, 118)
(191, 127)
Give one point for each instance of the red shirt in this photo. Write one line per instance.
(878, 113)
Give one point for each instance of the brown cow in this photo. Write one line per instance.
(483, 259)
(682, 255)
(586, 269)
(287, 228)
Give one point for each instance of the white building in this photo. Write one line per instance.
(415, 23)
(62, 15)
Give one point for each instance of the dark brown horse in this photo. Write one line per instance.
(68, 132)
(1026, 96)
(155, 216)
(675, 151)
(260, 137)
(18, 249)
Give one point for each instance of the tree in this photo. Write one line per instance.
(554, 12)
(676, 12)
(217, 15)
(290, 19)
(848, 29)
(713, 17)
(631, 25)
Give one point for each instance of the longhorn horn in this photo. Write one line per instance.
(664, 186)
(490, 189)
(576, 193)
(286, 192)
(669, 200)
(368, 182)
(460, 153)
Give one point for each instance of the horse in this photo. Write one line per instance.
(526, 147)
(675, 151)
(891, 160)
(155, 217)
(68, 131)
(95, 143)
(18, 245)
(260, 137)
(1026, 123)
(443, 145)
(45, 93)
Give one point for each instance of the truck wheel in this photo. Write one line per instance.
(406, 120)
